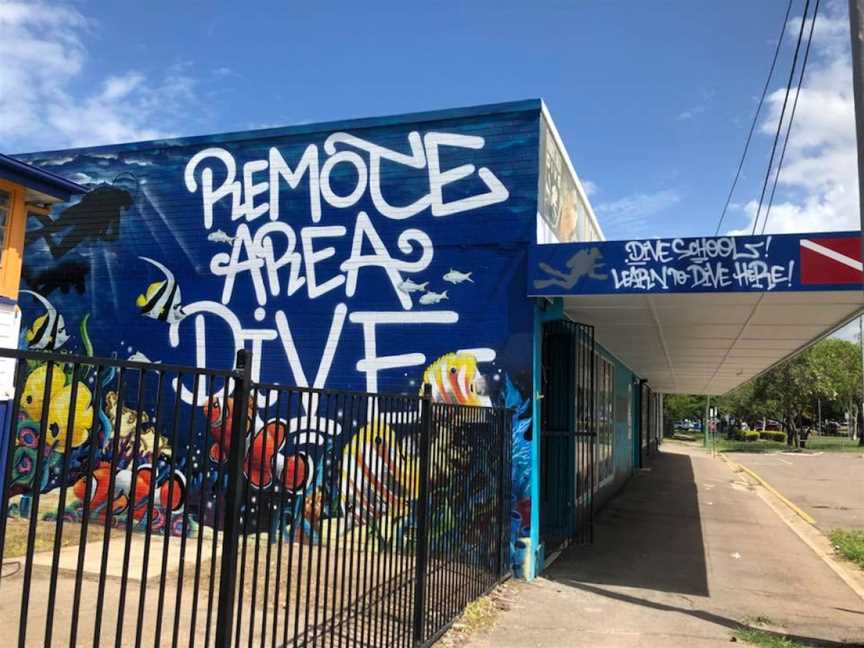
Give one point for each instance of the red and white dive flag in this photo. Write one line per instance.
(831, 260)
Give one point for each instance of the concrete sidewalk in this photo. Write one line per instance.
(682, 557)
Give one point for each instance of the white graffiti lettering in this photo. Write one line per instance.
(274, 255)
(710, 263)
(242, 195)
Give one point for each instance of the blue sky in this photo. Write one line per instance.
(653, 100)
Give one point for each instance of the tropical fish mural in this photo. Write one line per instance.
(126, 496)
(48, 331)
(132, 423)
(36, 389)
(60, 406)
(161, 300)
(378, 477)
(174, 263)
(366, 476)
(62, 411)
(220, 421)
(266, 444)
(455, 378)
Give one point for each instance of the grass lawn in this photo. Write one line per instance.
(833, 444)
(724, 445)
(814, 444)
(849, 544)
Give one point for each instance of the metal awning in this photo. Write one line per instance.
(703, 315)
(42, 186)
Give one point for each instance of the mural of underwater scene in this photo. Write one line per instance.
(371, 256)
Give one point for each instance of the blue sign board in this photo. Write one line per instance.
(784, 262)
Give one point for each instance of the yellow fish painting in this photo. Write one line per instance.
(60, 404)
(34, 389)
(454, 378)
(58, 418)
(378, 477)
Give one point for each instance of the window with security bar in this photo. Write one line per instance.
(605, 404)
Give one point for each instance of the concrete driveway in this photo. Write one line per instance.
(829, 486)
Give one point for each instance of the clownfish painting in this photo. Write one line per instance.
(170, 494)
(266, 444)
(220, 413)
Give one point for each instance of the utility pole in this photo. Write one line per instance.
(856, 30)
(707, 425)
(819, 416)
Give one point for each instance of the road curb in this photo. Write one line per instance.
(809, 533)
(804, 515)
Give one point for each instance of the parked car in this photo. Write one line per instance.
(831, 428)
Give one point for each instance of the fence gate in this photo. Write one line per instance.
(568, 435)
(154, 505)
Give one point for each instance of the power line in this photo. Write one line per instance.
(792, 114)
(782, 115)
(755, 117)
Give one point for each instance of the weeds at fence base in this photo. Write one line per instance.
(766, 639)
(479, 616)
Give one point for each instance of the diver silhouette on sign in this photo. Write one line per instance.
(583, 263)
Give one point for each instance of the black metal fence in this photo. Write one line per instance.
(149, 504)
(568, 435)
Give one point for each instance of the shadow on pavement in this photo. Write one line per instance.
(649, 536)
(717, 619)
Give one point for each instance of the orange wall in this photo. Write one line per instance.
(13, 245)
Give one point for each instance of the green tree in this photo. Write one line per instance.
(828, 372)
(683, 406)
(840, 361)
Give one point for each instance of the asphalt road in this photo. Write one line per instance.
(829, 486)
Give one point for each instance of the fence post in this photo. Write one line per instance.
(233, 499)
(501, 420)
(421, 557)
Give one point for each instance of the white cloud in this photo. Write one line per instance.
(706, 96)
(590, 187)
(849, 332)
(628, 216)
(118, 87)
(225, 72)
(818, 187)
(42, 55)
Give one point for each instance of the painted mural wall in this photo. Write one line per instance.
(564, 214)
(371, 255)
